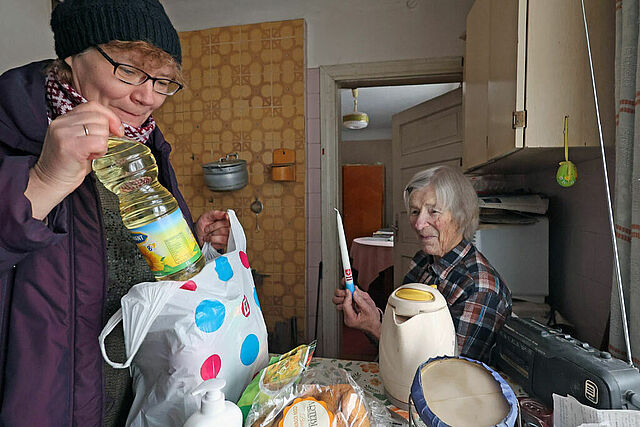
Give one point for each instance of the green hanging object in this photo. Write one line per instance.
(567, 172)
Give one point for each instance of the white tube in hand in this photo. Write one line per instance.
(346, 265)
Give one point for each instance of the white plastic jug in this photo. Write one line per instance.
(416, 326)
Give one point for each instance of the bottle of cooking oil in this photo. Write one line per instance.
(148, 210)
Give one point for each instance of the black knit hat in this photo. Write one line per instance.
(80, 24)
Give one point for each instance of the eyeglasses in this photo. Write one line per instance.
(135, 76)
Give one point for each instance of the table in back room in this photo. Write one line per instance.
(373, 260)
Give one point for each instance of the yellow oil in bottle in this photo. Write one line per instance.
(148, 210)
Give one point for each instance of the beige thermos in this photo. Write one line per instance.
(416, 326)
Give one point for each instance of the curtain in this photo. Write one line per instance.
(627, 185)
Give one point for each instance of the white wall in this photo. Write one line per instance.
(338, 31)
(25, 34)
(343, 31)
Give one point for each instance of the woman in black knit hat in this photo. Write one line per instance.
(66, 259)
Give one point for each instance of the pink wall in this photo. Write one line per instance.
(314, 236)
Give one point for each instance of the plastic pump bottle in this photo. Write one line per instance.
(214, 410)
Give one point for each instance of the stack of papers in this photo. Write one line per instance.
(502, 216)
(567, 411)
(383, 234)
(522, 209)
(532, 203)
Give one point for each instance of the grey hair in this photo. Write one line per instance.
(454, 193)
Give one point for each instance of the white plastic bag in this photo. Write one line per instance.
(178, 334)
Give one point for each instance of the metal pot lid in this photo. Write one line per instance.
(231, 161)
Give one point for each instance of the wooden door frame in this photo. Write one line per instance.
(332, 78)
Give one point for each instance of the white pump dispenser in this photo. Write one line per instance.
(214, 410)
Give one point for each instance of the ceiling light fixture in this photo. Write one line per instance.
(355, 120)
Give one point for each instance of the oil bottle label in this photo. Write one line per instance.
(167, 244)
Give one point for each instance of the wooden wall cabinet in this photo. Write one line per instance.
(526, 61)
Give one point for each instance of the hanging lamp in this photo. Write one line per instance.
(355, 120)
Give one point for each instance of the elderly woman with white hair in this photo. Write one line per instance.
(443, 211)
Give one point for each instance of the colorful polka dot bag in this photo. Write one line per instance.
(178, 334)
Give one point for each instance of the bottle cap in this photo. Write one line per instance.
(213, 399)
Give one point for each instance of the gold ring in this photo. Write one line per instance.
(86, 130)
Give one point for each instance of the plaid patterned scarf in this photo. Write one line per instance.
(62, 98)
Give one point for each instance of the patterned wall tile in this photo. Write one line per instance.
(245, 93)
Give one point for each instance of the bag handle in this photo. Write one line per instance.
(237, 240)
(142, 327)
(108, 328)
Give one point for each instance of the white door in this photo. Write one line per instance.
(425, 135)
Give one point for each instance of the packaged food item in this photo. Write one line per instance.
(332, 405)
(281, 372)
(321, 397)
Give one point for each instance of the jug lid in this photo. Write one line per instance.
(416, 298)
(412, 294)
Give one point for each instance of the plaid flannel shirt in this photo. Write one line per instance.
(478, 298)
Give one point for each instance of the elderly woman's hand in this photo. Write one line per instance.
(360, 312)
(213, 227)
(72, 141)
(339, 294)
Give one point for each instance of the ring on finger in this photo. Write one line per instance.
(86, 129)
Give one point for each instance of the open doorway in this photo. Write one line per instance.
(366, 193)
(372, 145)
(332, 79)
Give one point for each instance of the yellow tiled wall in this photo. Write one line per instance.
(245, 94)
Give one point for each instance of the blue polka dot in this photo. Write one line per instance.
(249, 350)
(209, 315)
(255, 297)
(223, 268)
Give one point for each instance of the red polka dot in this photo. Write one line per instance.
(245, 259)
(189, 286)
(210, 367)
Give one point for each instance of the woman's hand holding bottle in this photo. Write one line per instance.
(73, 140)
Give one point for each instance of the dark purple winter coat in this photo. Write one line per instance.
(52, 276)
